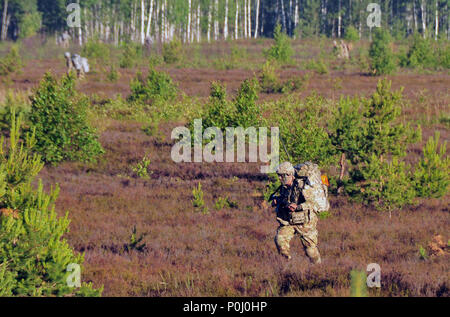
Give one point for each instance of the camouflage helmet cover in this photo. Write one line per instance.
(67, 54)
(285, 168)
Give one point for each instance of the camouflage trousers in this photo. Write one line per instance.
(308, 235)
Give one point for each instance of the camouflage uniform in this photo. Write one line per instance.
(308, 199)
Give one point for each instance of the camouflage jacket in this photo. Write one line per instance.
(300, 193)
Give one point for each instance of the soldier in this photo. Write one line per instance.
(301, 197)
(80, 64)
(68, 62)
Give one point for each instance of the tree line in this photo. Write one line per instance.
(116, 21)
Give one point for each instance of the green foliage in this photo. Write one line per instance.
(33, 255)
(12, 62)
(112, 75)
(197, 200)
(382, 59)
(247, 113)
(422, 253)
(358, 286)
(431, 176)
(172, 52)
(269, 80)
(157, 87)
(421, 53)
(59, 116)
(444, 54)
(130, 54)
(96, 49)
(29, 24)
(141, 168)
(385, 185)
(18, 103)
(282, 50)
(319, 66)
(345, 127)
(220, 112)
(272, 185)
(303, 135)
(382, 134)
(226, 202)
(351, 34)
(136, 243)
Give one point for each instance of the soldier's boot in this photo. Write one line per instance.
(313, 254)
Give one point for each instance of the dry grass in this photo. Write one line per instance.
(231, 252)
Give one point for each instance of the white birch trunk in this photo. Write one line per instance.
(199, 30)
(424, 17)
(236, 21)
(257, 18)
(216, 21)
(339, 19)
(245, 19)
(188, 28)
(149, 21)
(209, 22)
(415, 15)
(142, 22)
(225, 24)
(436, 23)
(249, 12)
(283, 15)
(295, 16)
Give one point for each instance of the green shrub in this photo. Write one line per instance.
(112, 75)
(282, 50)
(156, 87)
(421, 53)
(382, 134)
(96, 49)
(12, 62)
(224, 203)
(432, 172)
(247, 113)
(34, 257)
(351, 34)
(172, 52)
(385, 185)
(130, 54)
(444, 54)
(220, 112)
(141, 168)
(17, 102)
(197, 200)
(303, 135)
(382, 59)
(319, 66)
(269, 80)
(59, 116)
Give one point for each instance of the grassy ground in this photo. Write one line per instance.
(230, 252)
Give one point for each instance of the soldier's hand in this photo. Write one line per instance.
(274, 203)
(292, 207)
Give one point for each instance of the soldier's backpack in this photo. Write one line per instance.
(316, 185)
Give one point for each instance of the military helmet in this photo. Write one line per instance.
(67, 54)
(285, 168)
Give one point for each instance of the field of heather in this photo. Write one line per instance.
(230, 251)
